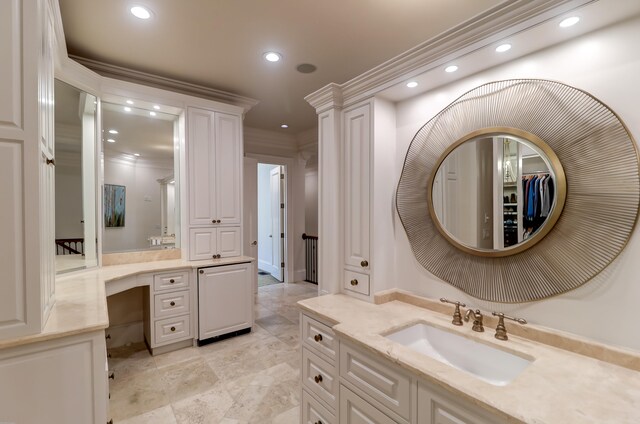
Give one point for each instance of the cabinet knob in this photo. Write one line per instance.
(318, 378)
(173, 328)
(110, 421)
(364, 264)
(317, 337)
(112, 376)
(354, 282)
(318, 422)
(51, 162)
(172, 303)
(219, 221)
(172, 281)
(201, 271)
(213, 221)
(108, 337)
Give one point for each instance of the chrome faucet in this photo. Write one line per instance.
(477, 319)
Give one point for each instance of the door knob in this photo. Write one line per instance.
(270, 236)
(254, 243)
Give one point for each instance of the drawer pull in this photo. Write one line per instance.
(364, 264)
(317, 337)
(318, 378)
(354, 282)
(318, 422)
(108, 337)
(110, 421)
(172, 281)
(172, 303)
(173, 328)
(112, 376)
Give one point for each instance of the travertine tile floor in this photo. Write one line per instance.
(246, 379)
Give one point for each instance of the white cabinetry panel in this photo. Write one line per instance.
(225, 299)
(11, 64)
(229, 242)
(357, 147)
(438, 407)
(320, 377)
(203, 243)
(354, 410)
(228, 166)
(313, 412)
(202, 163)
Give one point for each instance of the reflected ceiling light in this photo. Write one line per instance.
(156, 107)
(113, 132)
(140, 12)
(111, 140)
(569, 22)
(412, 84)
(136, 154)
(129, 102)
(152, 113)
(127, 109)
(503, 48)
(272, 56)
(451, 68)
(284, 126)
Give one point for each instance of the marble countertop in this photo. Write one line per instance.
(81, 299)
(558, 387)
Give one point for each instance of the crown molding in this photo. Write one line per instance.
(307, 140)
(507, 18)
(170, 84)
(261, 141)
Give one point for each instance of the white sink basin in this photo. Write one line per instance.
(492, 365)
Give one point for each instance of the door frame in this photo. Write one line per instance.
(289, 164)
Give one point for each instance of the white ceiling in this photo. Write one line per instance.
(219, 43)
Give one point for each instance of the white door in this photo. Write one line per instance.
(276, 228)
(228, 163)
(250, 212)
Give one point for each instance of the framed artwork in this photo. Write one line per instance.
(114, 205)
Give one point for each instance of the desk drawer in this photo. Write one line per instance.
(319, 337)
(356, 282)
(319, 377)
(171, 281)
(172, 329)
(173, 303)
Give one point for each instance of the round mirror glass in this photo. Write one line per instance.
(497, 193)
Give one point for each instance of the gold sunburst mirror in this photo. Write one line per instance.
(520, 190)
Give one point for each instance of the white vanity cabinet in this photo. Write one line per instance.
(208, 243)
(225, 299)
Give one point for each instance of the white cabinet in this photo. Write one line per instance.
(207, 242)
(225, 299)
(26, 179)
(437, 407)
(355, 410)
(214, 144)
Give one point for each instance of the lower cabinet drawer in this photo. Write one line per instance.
(382, 381)
(319, 377)
(356, 282)
(313, 412)
(172, 329)
(170, 281)
(354, 410)
(319, 337)
(174, 303)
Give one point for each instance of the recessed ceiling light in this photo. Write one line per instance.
(129, 102)
(412, 84)
(152, 113)
(136, 154)
(156, 107)
(111, 140)
(451, 68)
(113, 132)
(127, 109)
(284, 126)
(140, 12)
(503, 48)
(569, 22)
(272, 56)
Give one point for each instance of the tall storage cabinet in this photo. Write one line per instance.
(214, 144)
(26, 167)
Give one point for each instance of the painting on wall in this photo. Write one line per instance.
(114, 205)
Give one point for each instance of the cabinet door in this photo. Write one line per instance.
(229, 242)
(201, 166)
(203, 243)
(225, 299)
(437, 407)
(357, 146)
(354, 410)
(228, 167)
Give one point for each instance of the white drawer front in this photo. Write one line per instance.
(356, 282)
(319, 337)
(169, 304)
(319, 377)
(381, 381)
(170, 281)
(172, 329)
(354, 410)
(313, 412)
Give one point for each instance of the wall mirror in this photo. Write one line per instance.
(472, 221)
(75, 178)
(496, 193)
(141, 208)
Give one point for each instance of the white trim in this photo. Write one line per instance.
(299, 275)
(257, 140)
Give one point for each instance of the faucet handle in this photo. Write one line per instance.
(457, 316)
(501, 330)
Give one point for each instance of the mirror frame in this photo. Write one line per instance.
(560, 181)
(600, 160)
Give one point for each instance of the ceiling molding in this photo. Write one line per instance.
(507, 18)
(144, 78)
(307, 140)
(257, 140)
